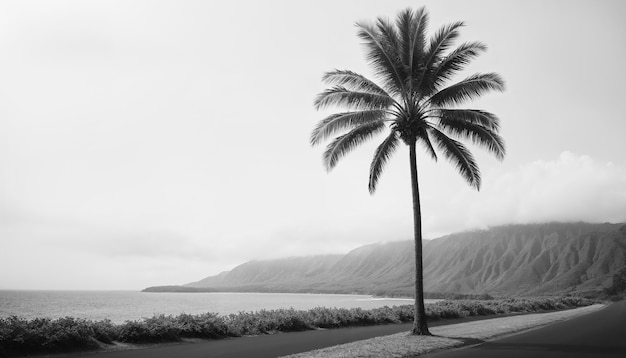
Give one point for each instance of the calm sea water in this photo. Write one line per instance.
(119, 306)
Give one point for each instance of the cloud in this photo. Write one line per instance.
(28, 233)
(66, 254)
(570, 188)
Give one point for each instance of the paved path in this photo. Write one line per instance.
(599, 334)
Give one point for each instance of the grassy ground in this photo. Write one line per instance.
(404, 345)
(19, 336)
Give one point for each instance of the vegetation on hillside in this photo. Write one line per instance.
(510, 260)
(617, 290)
(19, 336)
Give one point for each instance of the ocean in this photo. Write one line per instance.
(120, 306)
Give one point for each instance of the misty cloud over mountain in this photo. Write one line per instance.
(533, 259)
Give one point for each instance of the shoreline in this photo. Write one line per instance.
(121, 306)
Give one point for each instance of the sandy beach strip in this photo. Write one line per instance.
(444, 337)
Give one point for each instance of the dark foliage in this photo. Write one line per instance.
(19, 336)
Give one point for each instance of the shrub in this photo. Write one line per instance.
(43, 335)
(18, 335)
(207, 325)
(151, 330)
(104, 331)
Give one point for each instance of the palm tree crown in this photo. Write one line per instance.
(414, 100)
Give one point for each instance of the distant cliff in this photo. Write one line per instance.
(528, 259)
(533, 259)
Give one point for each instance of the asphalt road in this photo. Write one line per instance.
(265, 346)
(599, 334)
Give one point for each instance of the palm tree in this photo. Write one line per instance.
(415, 103)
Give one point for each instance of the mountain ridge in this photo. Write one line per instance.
(517, 259)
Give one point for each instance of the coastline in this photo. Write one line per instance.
(120, 306)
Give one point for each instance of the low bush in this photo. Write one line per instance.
(151, 330)
(206, 325)
(104, 331)
(20, 336)
(44, 335)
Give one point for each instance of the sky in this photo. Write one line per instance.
(150, 143)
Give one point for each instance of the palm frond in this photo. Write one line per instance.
(424, 139)
(383, 59)
(469, 88)
(443, 70)
(405, 25)
(441, 41)
(341, 96)
(476, 133)
(382, 155)
(343, 144)
(476, 116)
(458, 154)
(353, 81)
(389, 38)
(412, 28)
(341, 121)
(438, 45)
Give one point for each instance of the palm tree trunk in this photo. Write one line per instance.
(420, 327)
